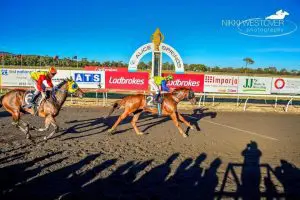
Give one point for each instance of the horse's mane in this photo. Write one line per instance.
(181, 88)
(62, 83)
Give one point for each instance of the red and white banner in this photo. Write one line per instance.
(194, 81)
(126, 80)
(286, 86)
(221, 84)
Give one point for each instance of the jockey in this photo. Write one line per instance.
(42, 79)
(158, 84)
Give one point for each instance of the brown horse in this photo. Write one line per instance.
(13, 102)
(136, 104)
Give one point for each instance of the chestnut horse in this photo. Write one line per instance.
(13, 102)
(136, 104)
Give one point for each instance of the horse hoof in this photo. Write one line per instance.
(111, 131)
(185, 135)
(140, 133)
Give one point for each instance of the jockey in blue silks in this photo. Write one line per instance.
(158, 84)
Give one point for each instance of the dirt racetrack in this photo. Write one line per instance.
(238, 154)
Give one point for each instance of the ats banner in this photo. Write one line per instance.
(127, 80)
(286, 86)
(89, 79)
(221, 84)
(194, 81)
(254, 85)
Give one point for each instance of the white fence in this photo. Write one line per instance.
(217, 86)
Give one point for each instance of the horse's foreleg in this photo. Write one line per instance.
(133, 123)
(181, 118)
(53, 123)
(121, 117)
(47, 124)
(175, 120)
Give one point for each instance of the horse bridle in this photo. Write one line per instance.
(191, 95)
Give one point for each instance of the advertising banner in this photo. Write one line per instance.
(194, 81)
(126, 80)
(103, 68)
(286, 86)
(60, 76)
(16, 77)
(221, 84)
(89, 79)
(254, 85)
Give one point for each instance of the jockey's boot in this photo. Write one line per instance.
(33, 104)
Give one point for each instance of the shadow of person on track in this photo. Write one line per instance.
(14, 174)
(289, 175)
(251, 172)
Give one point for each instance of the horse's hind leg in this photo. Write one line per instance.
(53, 123)
(175, 120)
(133, 123)
(16, 122)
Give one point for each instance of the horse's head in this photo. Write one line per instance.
(186, 93)
(73, 88)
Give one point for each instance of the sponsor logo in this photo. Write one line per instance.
(253, 84)
(87, 77)
(221, 80)
(184, 83)
(279, 83)
(123, 81)
(4, 72)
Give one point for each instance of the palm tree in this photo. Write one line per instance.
(248, 61)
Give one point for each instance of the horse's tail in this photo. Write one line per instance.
(1, 100)
(116, 105)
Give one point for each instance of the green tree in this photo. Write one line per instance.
(248, 61)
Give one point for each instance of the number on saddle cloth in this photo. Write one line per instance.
(28, 97)
(151, 101)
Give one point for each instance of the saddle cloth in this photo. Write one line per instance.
(29, 95)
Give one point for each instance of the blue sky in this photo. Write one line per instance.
(113, 30)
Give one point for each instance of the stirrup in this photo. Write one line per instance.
(28, 105)
(159, 111)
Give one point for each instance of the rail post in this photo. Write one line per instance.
(287, 105)
(97, 102)
(199, 103)
(275, 102)
(246, 103)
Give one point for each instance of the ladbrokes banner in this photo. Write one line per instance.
(126, 80)
(286, 85)
(221, 84)
(194, 81)
(254, 85)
